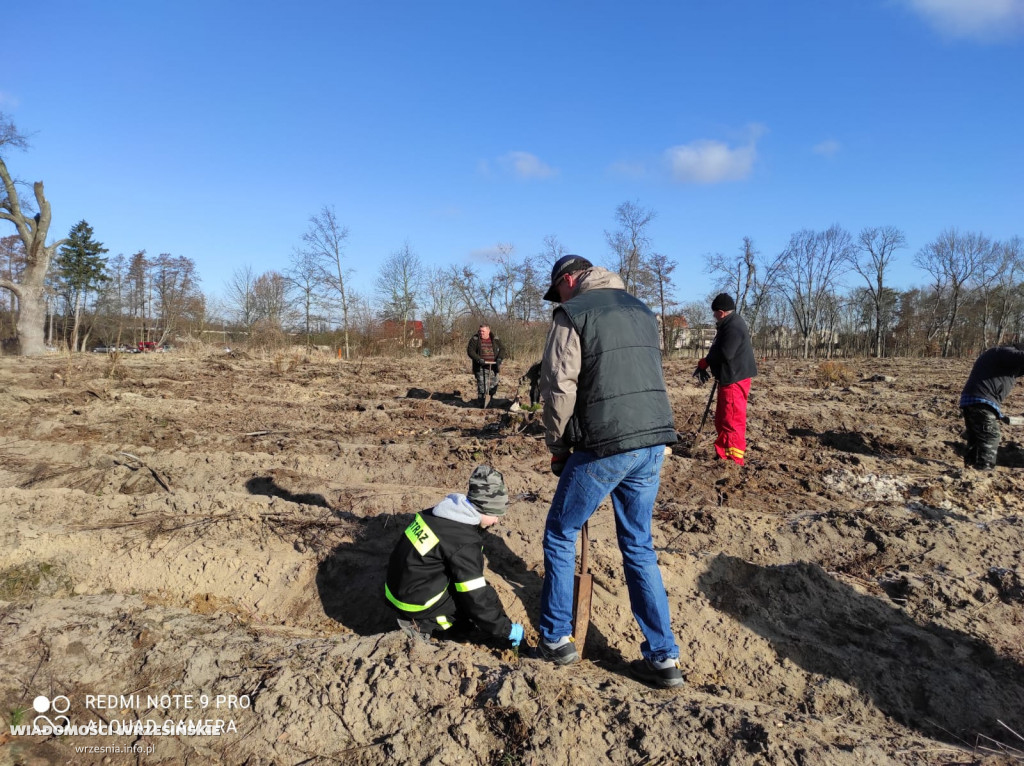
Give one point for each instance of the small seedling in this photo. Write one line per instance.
(17, 717)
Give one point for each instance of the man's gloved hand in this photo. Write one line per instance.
(516, 634)
(701, 376)
(558, 463)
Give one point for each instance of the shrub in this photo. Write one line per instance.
(832, 373)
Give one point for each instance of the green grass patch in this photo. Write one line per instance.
(36, 578)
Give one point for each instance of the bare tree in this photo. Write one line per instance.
(441, 305)
(32, 230)
(537, 273)
(270, 295)
(140, 298)
(698, 319)
(953, 260)
(1008, 301)
(12, 264)
(735, 275)
(112, 301)
(179, 301)
(239, 298)
(661, 268)
(529, 304)
(629, 245)
(748, 277)
(871, 259)
(812, 265)
(304, 274)
(476, 294)
(399, 283)
(552, 251)
(325, 241)
(508, 281)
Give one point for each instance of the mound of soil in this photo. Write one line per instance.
(194, 539)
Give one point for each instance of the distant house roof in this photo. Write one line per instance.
(389, 328)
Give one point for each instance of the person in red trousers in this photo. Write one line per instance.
(731, 361)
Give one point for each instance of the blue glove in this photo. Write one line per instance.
(516, 634)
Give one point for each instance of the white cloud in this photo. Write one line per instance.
(526, 165)
(712, 162)
(983, 20)
(827, 148)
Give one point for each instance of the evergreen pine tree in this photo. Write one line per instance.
(81, 266)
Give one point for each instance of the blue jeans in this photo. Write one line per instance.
(632, 478)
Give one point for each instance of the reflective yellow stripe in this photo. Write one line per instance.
(412, 607)
(462, 587)
(443, 621)
(421, 536)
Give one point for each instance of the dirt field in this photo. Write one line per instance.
(217, 524)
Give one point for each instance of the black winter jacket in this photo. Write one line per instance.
(994, 375)
(731, 356)
(473, 349)
(437, 568)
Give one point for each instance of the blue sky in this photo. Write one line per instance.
(215, 129)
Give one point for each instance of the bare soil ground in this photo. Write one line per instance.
(219, 525)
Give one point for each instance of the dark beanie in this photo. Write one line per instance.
(723, 302)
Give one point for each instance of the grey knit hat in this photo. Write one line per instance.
(487, 491)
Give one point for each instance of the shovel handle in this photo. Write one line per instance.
(585, 549)
(707, 409)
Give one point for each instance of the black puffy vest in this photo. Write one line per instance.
(621, 402)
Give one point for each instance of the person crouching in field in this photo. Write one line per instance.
(992, 377)
(435, 577)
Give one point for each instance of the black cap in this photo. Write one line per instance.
(723, 302)
(567, 264)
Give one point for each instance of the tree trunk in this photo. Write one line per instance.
(31, 320)
(878, 331)
(78, 317)
(31, 292)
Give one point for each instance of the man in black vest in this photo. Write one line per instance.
(607, 420)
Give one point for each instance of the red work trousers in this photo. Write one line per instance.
(731, 420)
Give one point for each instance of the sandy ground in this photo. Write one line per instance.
(184, 532)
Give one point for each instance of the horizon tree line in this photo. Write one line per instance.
(797, 302)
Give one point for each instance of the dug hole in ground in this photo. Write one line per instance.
(217, 526)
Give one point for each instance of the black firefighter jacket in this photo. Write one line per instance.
(437, 568)
(731, 356)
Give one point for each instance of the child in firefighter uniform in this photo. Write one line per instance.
(435, 576)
